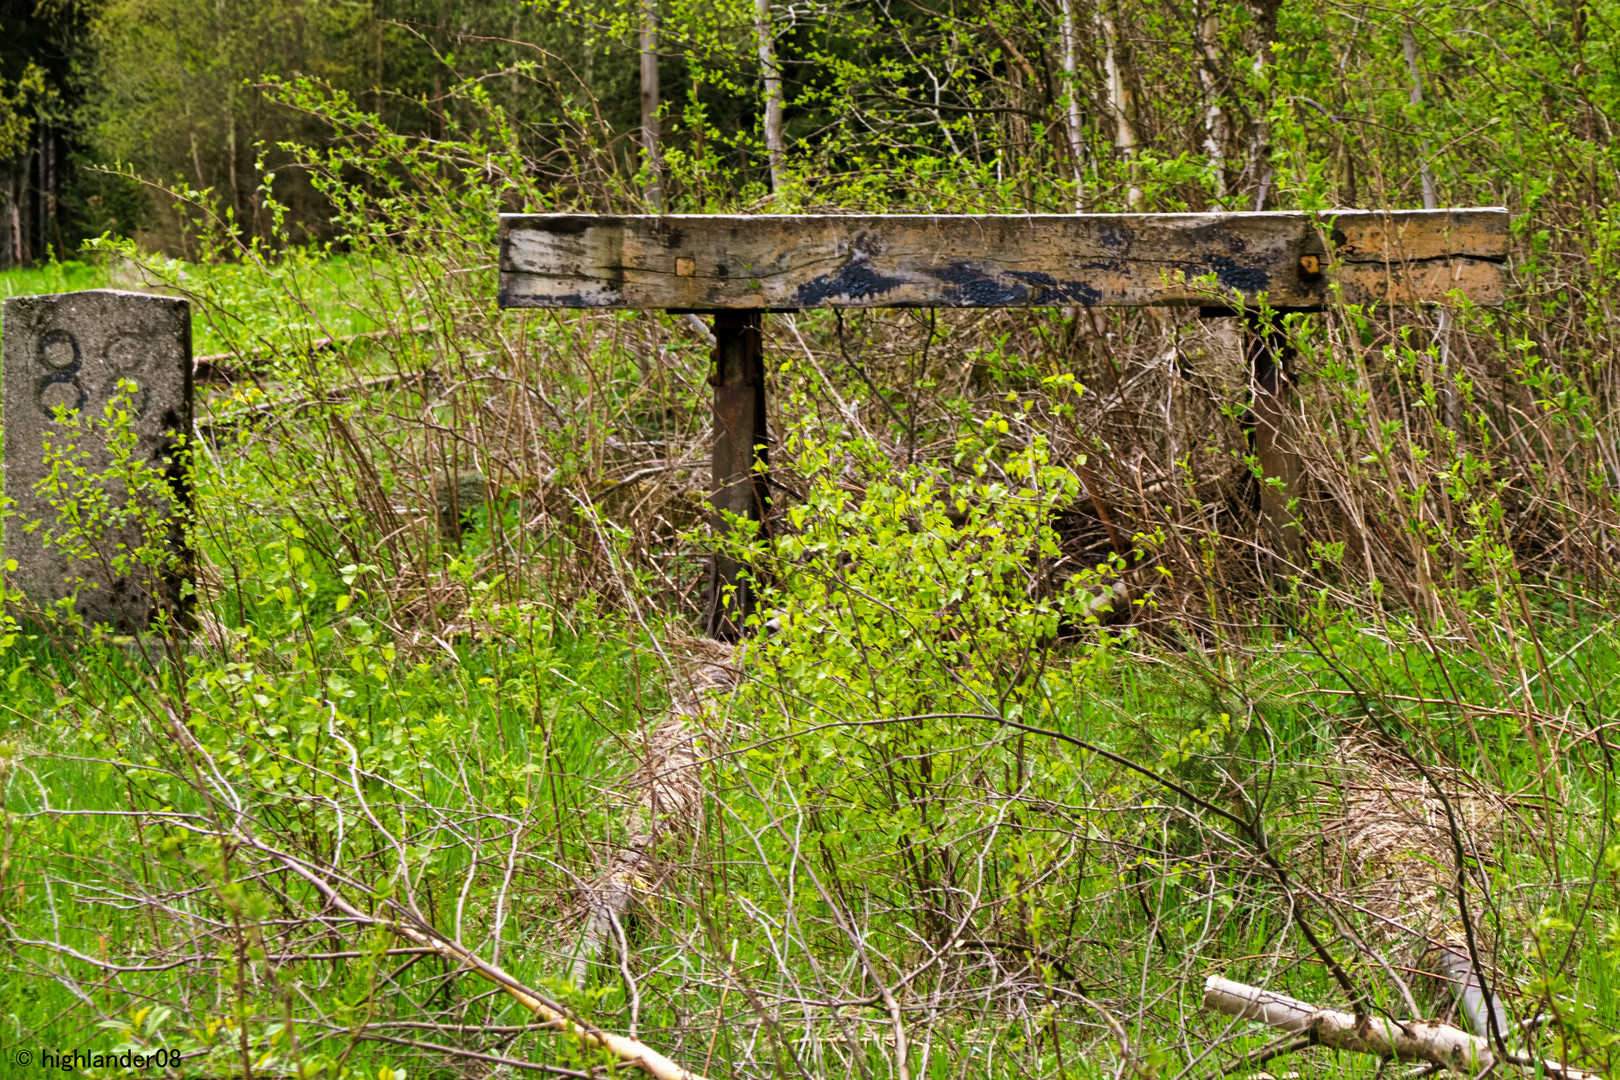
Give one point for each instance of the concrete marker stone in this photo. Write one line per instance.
(71, 349)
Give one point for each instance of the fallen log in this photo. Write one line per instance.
(1413, 1041)
(1409, 1040)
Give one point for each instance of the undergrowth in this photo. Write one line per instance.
(1040, 721)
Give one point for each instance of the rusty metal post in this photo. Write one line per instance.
(738, 488)
(1282, 473)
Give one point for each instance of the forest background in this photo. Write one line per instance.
(1041, 722)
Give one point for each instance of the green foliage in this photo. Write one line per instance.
(114, 508)
(17, 104)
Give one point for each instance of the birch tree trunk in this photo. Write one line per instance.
(374, 49)
(1075, 125)
(1425, 173)
(1450, 410)
(1263, 16)
(1216, 132)
(1439, 1044)
(649, 103)
(772, 78)
(1121, 101)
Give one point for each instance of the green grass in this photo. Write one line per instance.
(53, 277)
(325, 293)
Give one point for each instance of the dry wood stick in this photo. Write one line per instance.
(1414, 1040)
(1405, 1040)
(630, 1051)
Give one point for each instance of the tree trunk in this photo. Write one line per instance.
(1076, 126)
(1450, 408)
(1121, 101)
(230, 150)
(772, 77)
(15, 249)
(649, 103)
(1411, 1040)
(374, 31)
(47, 188)
(1425, 173)
(1263, 16)
(1216, 131)
(25, 218)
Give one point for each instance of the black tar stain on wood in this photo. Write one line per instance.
(573, 225)
(508, 299)
(857, 281)
(972, 287)
(1051, 290)
(1245, 279)
(1116, 238)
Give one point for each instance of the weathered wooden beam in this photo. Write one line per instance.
(786, 262)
